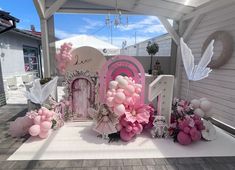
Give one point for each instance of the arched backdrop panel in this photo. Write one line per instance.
(121, 65)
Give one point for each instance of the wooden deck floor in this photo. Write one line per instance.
(9, 145)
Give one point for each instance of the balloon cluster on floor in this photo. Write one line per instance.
(36, 123)
(187, 123)
(46, 116)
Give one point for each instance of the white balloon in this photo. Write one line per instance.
(195, 103)
(205, 105)
(199, 112)
(113, 84)
(203, 98)
(122, 83)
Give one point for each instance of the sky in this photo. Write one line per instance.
(139, 28)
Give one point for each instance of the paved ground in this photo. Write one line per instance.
(8, 145)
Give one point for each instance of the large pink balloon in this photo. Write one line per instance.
(34, 130)
(120, 97)
(130, 89)
(46, 125)
(37, 120)
(43, 134)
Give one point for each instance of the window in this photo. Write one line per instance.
(31, 60)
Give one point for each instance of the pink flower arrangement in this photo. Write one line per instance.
(64, 57)
(186, 127)
(123, 98)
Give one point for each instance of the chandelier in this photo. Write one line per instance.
(117, 18)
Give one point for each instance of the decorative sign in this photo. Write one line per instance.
(82, 81)
(162, 87)
(86, 59)
(121, 65)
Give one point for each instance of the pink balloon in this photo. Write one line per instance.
(129, 101)
(48, 119)
(109, 93)
(120, 90)
(43, 117)
(109, 101)
(138, 90)
(49, 114)
(119, 109)
(136, 96)
(40, 111)
(45, 125)
(130, 89)
(119, 97)
(37, 120)
(43, 134)
(34, 130)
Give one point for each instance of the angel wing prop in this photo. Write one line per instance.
(200, 71)
(38, 93)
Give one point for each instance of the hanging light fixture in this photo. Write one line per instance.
(117, 18)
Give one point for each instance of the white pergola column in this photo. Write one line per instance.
(45, 48)
(48, 33)
(51, 39)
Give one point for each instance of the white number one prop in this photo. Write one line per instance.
(162, 88)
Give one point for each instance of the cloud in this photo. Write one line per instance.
(150, 24)
(89, 24)
(64, 34)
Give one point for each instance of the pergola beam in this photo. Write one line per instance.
(54, 8)
(170, 29)
(168, 5)
(212, 5)
(40, 7)
(139, 9)
(191, 27)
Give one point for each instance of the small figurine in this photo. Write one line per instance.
(160, 129)
(105, 120)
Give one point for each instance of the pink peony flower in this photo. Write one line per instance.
(129, 129)
(139, 113)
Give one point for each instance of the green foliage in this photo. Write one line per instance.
(45, 80)
(152, 48)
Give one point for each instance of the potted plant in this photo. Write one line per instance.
(152, 48)
(43, 82)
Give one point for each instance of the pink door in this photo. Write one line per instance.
(81, 94)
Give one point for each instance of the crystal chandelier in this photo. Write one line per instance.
(117, 18)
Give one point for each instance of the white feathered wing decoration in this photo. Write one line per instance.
(200, 71)
(38, 94)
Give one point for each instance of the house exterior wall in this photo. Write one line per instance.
(164, 55)
(163, 41)
(2, 93)
(219, 87)
(11, 48)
